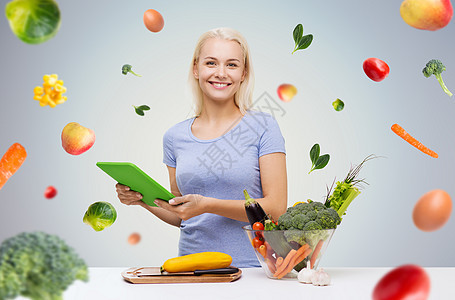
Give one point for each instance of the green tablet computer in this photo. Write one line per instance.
(129, 174)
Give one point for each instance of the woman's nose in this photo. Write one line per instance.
(221, 72)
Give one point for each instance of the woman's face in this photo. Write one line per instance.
(220, 69)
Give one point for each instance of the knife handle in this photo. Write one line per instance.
(217, 271)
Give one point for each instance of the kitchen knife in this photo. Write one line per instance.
(156, 271)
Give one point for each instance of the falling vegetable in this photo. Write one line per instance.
(100, 215)
(338, 105)
(435, 67)
(33, 21)
(38, 266)
(301, 41)
(128, 68)
(376, 69)
(50, 192)
(51, 93)
(408, 138)
(403, 282)
(11, 162)
(140, 109)
(318, 162)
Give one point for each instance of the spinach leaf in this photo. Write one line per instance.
(301, 41)
(298, 33)
(305, 42)
(140, 109)
(314, 154)
(318, 162)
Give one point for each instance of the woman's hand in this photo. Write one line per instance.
(185, 207)
(127, 196)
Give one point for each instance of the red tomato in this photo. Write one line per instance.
(50, 192)
(258, 226)
(376, 69)
(404, 282)
(257, 242)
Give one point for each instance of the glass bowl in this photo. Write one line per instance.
(273, 249)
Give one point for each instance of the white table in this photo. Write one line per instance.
(347, 283)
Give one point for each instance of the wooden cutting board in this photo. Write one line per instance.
(130, 276)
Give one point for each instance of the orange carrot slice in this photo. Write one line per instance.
(316, 251)
(298, 256)
(408, 138)
(285, 263)
(271, 265)
(11, 162)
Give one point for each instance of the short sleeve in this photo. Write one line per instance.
(168, 150)
(271, 140)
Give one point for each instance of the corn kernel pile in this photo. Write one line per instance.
(51, 91)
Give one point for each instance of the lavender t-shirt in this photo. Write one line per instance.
(221, 168)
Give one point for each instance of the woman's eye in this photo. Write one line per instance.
(232, 65)
(210, 63)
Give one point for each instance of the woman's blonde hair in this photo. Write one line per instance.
(244, 96)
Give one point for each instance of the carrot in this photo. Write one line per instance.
(279, 261)
(295, 262)
(316, 251)
(296, 258)
(11, 162)
(408, 138)
(270, 252)
(285, 263)
(271, 265)
(263, 251)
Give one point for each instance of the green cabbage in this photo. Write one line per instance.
(33, 21)
(100, 215)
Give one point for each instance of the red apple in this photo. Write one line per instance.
(286, 92)
(76, 139)
(426, 14)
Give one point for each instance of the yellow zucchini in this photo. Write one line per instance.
(198, 261)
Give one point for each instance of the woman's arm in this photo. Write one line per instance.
(134, 198)
(274, 187)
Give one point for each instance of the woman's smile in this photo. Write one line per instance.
(220, 85)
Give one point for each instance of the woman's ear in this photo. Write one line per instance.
(195, 72)
(243, 75)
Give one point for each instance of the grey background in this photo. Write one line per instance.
(97, 37)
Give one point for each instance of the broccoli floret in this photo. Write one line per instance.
(312, 225)
(435, 67)
(311, 215)
(299, 216)
(317, 206)
(285, 221)
(39, 266)
(302, 207)
(299, 221)
(127, 68)
(328, 218)
(297, 236)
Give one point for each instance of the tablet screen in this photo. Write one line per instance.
(129, 174)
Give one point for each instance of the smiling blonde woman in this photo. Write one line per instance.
(214, 156)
